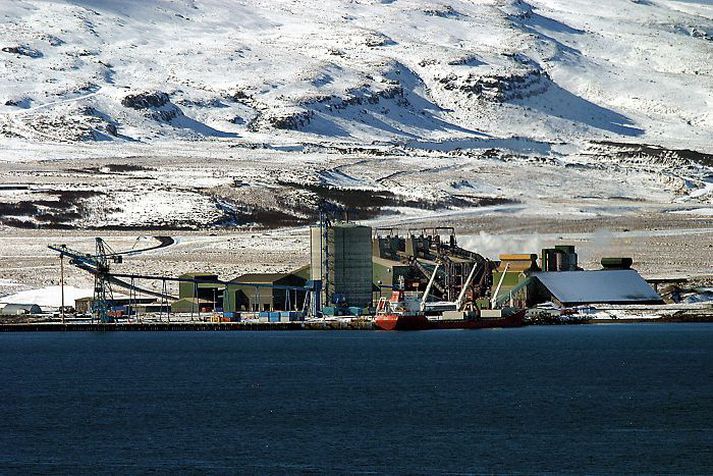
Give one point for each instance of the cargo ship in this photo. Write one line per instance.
(482, 319)
(402, 313)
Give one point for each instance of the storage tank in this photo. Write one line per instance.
(567, 261)
(559, 258)
(617, 263)
(341, 259)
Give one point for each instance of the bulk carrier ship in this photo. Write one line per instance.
(407, 313)
(396, 315)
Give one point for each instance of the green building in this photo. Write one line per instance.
(341, 260)
(386, 272)
(512, 271)
(205, 291)
(254, 292)
(191, 305)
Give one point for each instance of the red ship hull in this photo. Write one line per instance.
(394, 322)
(513, 320)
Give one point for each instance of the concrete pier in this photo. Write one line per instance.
(185, 326)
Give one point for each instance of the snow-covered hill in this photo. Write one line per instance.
(452, 73)
(211, 113)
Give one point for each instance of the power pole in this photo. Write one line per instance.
(61, 283)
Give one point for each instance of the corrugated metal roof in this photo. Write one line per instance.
(262, 278)
(606, 286)
(388, 262)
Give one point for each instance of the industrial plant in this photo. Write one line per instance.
(383, 278)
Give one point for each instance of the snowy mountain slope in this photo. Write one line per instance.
(211, 113)
(417, 71)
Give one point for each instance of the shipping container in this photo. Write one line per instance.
(232, 316)
(287, 316)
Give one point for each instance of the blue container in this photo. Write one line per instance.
(263, 314)
(275, 318)
(233, 316)
(355, 311)
(329, 310)
(289, 316)
(274, 315)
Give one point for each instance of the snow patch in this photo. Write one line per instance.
(50, 296)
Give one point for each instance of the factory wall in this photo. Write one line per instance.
(244, 297)
(207, 291)
(191, 305)
(387, 272)
(345, 251)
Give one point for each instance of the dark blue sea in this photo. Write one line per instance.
(605, 399)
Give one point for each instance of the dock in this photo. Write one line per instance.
(184, 326)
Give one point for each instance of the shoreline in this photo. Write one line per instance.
(293, 326)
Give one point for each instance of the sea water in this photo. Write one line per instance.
(604, 399)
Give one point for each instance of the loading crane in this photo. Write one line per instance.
(441, 306)
(431, 282)
(98, 265)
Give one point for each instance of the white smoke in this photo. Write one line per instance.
(602, 243)
(491, 246)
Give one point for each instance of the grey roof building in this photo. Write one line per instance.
(19, 309)
(572, 288)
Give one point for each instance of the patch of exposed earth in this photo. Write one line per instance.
(188, 186)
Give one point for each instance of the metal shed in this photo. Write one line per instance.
(191, 305)
(205, 290)
(572, 288)
(20, 309)
(255, 292)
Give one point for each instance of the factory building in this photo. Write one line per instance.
(191, 305)
(421, 251)
(386, 272)
(205, 291)
(510, 273)
(607, 286)
(520, 282)
(84, 305)
(257, 292)
(341, 261)
(559, 258)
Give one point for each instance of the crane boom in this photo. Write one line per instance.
(98, 265)
(461, 297)
(500, 283)
(429, 286)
